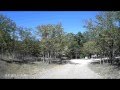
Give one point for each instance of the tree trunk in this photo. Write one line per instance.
(13, 49)
(54, 54)
(76, 55)
(90, 56)
(2, 53)
(43, 56)
(101, 61)
(112, 52)
(48, 54)
(61, 57)
(49, 57)
(112, 56)
(71, 56)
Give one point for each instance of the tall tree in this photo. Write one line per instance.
(7, 34)
(105, 32)
(52, 39)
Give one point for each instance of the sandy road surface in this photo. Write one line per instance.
(77, 69)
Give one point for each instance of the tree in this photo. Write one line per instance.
(90, 48)
(105, 33)
(75, 44)
(27, 45)
(80, 40)
(117, 17)
(109, 42)
(45, 32)
(7, 34)
(70, 44)
(52, 40)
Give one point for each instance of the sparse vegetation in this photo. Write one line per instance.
(106, 70)
(20, 48)
(7, 69)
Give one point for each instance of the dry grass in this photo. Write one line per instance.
(107, 71)
(22, 69)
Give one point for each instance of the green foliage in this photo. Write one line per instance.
(7, 34)
(105, 32)
(90, 48)
(102, 37)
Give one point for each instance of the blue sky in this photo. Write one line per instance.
(72, 21)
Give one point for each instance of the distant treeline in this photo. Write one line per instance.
(101, 38)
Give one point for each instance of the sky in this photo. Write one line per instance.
(72, 21)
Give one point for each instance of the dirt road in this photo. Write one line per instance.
(77, 69)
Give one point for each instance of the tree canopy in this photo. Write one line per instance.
(102, 38)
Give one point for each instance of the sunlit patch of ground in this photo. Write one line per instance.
(106, 70)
